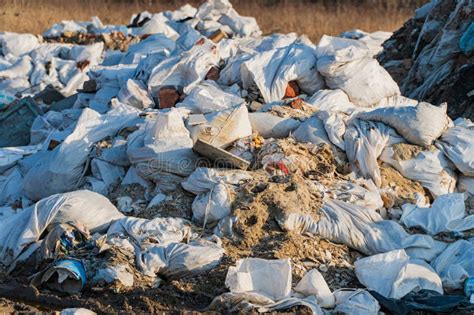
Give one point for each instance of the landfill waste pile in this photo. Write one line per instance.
(186, 162)
(432, 56)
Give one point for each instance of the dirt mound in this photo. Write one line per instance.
(428, 61)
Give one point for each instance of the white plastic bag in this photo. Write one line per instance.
(447, 213)
(394, 274)
(458, 145)
(272, 70)
(347, 64)
(271, 278)
(421, 124)
(430, 168)
(313, 283)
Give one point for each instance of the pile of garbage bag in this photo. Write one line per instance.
(187, 162)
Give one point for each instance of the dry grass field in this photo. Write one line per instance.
(312, 18)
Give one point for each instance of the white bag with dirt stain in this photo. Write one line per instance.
(395, 274)
(313, 283)
(457, 143)
(430, 168)
(421, 124)
(347, 64)
(17, 232)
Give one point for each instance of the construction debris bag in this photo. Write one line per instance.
(313, 283)
(272, 70)
(364, 141)
(362, 229)
(62, 169)
(11, 186)
(161, 150)
(17, 232)
(447, 213)
(355, 302)
(458, 145)
(454, 265)
(430, 168)
(421, 124)
(135, 94)
(346, 64)
(270, 126)
(394, 274)
(311, 131)
(17, 44)
(209, 97)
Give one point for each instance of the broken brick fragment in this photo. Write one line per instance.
(292, 90)
(168, 97)
(213, 74)
(297, 104)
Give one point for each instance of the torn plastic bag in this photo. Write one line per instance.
(62, 169)
(248, 302)
(179, 260)
(271, 278)
(454, 264)
(312, 131)
(346, 64)
(68, 275)
(114, 273)
(364, 141)
(394, 274)
(209, 97)
(458, 145)
(94, 211)
(355, 302)
(186, 70)
(313, 283)
(421, 124)
(17, 44)
(447, 213)
(161, 231)
(270, 126)
(214, 193)
(430, 168)
(161, 150)
(11, 186)
(223, 127)
(135, 94)
(362, 229)
(272, 70)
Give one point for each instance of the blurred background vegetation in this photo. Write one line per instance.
(311, 17)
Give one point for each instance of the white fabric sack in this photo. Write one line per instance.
(209, 97)
(61, 169)
(9, 156)
(114, 274)
(394, 274)
(311, 131)
(271, 278)
(430, 168)
(457, 143)
(135, 94)
(157, 24)
(355, 302)
(272, 70)
(364, 141)
(421, 124)
(212, 206)
(203, 179)
(22, 68)
(161, 149)
(346, 64)
(447, 213)
(179, 260)
(313, 283)
(94, 211)
(224, 127)
(17, 44)
(362, 229)
(92, 53)
(270, 126)
(186, 70)
(454, 265)
(361, 192)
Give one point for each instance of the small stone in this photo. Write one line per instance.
(323, 268)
